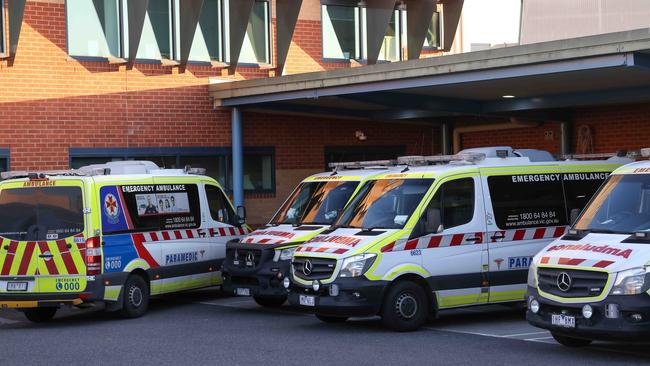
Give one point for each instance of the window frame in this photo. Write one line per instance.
(3, 26)
(269, 41)
(122, 35)
(178, 153)
(231, 210)
(440, 31)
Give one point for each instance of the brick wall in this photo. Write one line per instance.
(615, 128)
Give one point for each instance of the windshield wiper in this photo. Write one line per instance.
(606, 231)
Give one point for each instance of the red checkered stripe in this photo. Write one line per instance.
(330, 250)
(193, 233)
(593, 263)
(528, 234)
(252, 240)
(436, 241)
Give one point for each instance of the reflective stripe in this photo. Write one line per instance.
(112, 293)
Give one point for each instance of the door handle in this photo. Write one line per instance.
(69, 246)
(496, 237)
(475, 239)
(46, 255)
(6, 247)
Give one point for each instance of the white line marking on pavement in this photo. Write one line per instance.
(522, 334)
(5, 321)
(538, 339)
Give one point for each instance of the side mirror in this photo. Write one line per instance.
(241, 214)
(433, 221)
(573, 216)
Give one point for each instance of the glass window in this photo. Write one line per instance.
(258, 173)
(385, 203)
(220, 208)
(2, 27)
(152, 209)
(522, 201)
(580, 187)
(256, 46)
(455, 200)
(340, 32)
(207, 39)
(621, 206)
(315, 203)
(44, 213)
(94, 28)
(391, 47)
(433, 34)
(4, 164)
(156, 41)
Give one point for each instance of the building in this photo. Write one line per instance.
(263, 93)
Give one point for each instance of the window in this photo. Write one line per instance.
(455, 200)
(94, 28)
(391, 47)
(433, 40)
(45, 213)
(208, 37)
(256, 48)
(154, 207)
(523, 201)
(384, 203)
(259, 163)
(340, 32)
(220, 209)
(2, 27)
(580, 187)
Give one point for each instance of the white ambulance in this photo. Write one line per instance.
(257, 263)
(594, 282)
(442, 232)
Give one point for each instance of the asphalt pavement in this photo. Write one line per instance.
(204, 328)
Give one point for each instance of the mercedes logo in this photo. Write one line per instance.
(307, 267)
(250, 258)
(564, 281)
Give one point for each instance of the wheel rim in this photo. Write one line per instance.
(135, 296)
(406, 306)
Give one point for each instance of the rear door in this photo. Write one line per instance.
(526, 211)
(42, 234)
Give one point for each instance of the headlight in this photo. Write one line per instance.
(532, 271)
(283, 254)
(357, 265)
(630, 282)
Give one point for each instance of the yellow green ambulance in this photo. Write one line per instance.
(115, 233)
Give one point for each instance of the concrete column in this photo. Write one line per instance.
(237, 157)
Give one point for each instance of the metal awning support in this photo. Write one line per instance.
(16, 11)
(190, 11)
(286, 18)
(240, 13)
(418, 18)
(451, 10)
(137, 11)
(378, 14)
(237, 157)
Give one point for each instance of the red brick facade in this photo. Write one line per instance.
(50, 103)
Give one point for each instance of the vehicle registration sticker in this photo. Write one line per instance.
(565, 321)
(306, 300)
(243, 292)
(17, 286)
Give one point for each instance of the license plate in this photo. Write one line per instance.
(17, 286)
(564, 321)
(243, 292)
(306, 300)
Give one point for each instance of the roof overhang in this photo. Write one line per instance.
(605, 69)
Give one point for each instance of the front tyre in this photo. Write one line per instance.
(270, 301)
(405, 307)
(571, 341)
(40, 315)
(135, 298)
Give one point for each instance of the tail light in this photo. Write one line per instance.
(93, 256)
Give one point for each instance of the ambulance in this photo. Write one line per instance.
(257, 264)
(115, 233)
(442, 232)
(594, 282)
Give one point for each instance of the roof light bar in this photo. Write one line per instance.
(362, 164)
(619, 154)
(441, 159)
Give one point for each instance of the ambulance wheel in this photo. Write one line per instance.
(571, 341)
(405, 307)
(40, 315)
(270, 302)
(136, 297)
(331, 319)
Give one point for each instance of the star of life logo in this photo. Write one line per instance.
(112, 209)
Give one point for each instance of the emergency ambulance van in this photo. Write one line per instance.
(116, 233)
(594, 282)
(257, 264)
(442, 232)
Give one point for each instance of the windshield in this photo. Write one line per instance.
(622, 206)
(47, 213)
(316, 203)
(384, 203)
